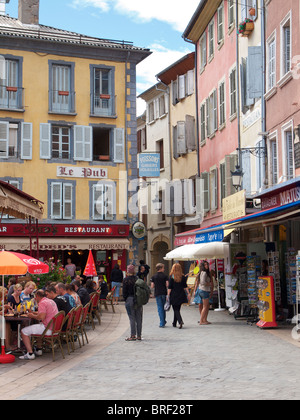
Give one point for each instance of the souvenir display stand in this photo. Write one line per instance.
(266, 303)
(253, 272)
(274, 271)
(290, 265)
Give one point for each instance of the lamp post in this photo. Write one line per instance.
(237, 177)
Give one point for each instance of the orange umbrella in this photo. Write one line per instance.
(15, 264)
(90, 268)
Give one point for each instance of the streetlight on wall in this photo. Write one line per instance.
(237, 177)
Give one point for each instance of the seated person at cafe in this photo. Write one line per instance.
(27, 293)
(14, 299)
(61, 289)
(47, 309)
(61, 302)
(91, 286)
(82, 292)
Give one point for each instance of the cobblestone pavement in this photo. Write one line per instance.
(228, 359)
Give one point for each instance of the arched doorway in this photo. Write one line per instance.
(158, 252)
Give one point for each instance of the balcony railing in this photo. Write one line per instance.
(103, 105)
(62, 102)
(11, 97)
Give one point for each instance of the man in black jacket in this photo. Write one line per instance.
(82, 292)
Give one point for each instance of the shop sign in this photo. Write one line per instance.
(15, 229)
(185, 240)
(234, 206)
(208, 237)
(139, 230)
(77, 172)
(289, 196)
(149, 165)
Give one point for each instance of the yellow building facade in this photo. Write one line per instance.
(68, 137)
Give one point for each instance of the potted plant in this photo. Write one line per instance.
(252, 11)
(246, 27)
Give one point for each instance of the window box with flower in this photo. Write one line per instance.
(246, 27)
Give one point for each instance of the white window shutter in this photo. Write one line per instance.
(98, 207)
(45, 141)
(83, 143)
(190, 82)
(181, 81)
(26, 141)
(4, 135)
(181, 138)
(109, 202)
(67, 201)
(119, 145)
(56, 200)
(88, 143)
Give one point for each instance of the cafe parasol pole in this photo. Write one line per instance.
(4, 358)
(15, 264)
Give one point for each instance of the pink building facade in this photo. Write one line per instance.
(213, 31)
(283, 90)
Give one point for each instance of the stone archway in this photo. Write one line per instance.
(159, 249)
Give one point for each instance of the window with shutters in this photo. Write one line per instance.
(82, 143)
(274, 162)
(211, 39)
(222, 115)
(220, 15)
(103, 91)
(289, 155)
(206, 191)
(203, 51)
(246, 5)
(212, 113)
(61, 88)
(62, 200)
(103, 201)
(213, 189)
(60, 142)
(233, 92)
(203, 122)
(231, 13)
(11, 90)
(286, 45)
(15, 141)
(271, 62)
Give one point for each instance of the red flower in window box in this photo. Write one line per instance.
(11, 89)
(102, 96)
(63, 93)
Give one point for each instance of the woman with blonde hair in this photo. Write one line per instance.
(178, 293)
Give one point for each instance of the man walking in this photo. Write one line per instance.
(160, 284)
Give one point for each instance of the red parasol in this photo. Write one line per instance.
(14, 264)
(90, 268)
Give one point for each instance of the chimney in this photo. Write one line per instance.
(29, 11)
(2, 6)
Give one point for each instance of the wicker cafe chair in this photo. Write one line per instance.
(108, 300)
(81, 327)
(51, 335)
(93, 310)
(67, 333)
(76, 324)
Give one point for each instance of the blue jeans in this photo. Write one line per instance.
(160, 301)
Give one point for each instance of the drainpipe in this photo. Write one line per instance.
(170, 153)
(263, 101)
(240, 163)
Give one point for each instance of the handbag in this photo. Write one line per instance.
(167, 305)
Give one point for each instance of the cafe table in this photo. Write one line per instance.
(19, 319)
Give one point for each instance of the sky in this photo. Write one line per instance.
(156, 24)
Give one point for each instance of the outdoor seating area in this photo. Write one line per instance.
(68, 332)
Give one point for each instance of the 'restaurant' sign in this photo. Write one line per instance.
(16, 229)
